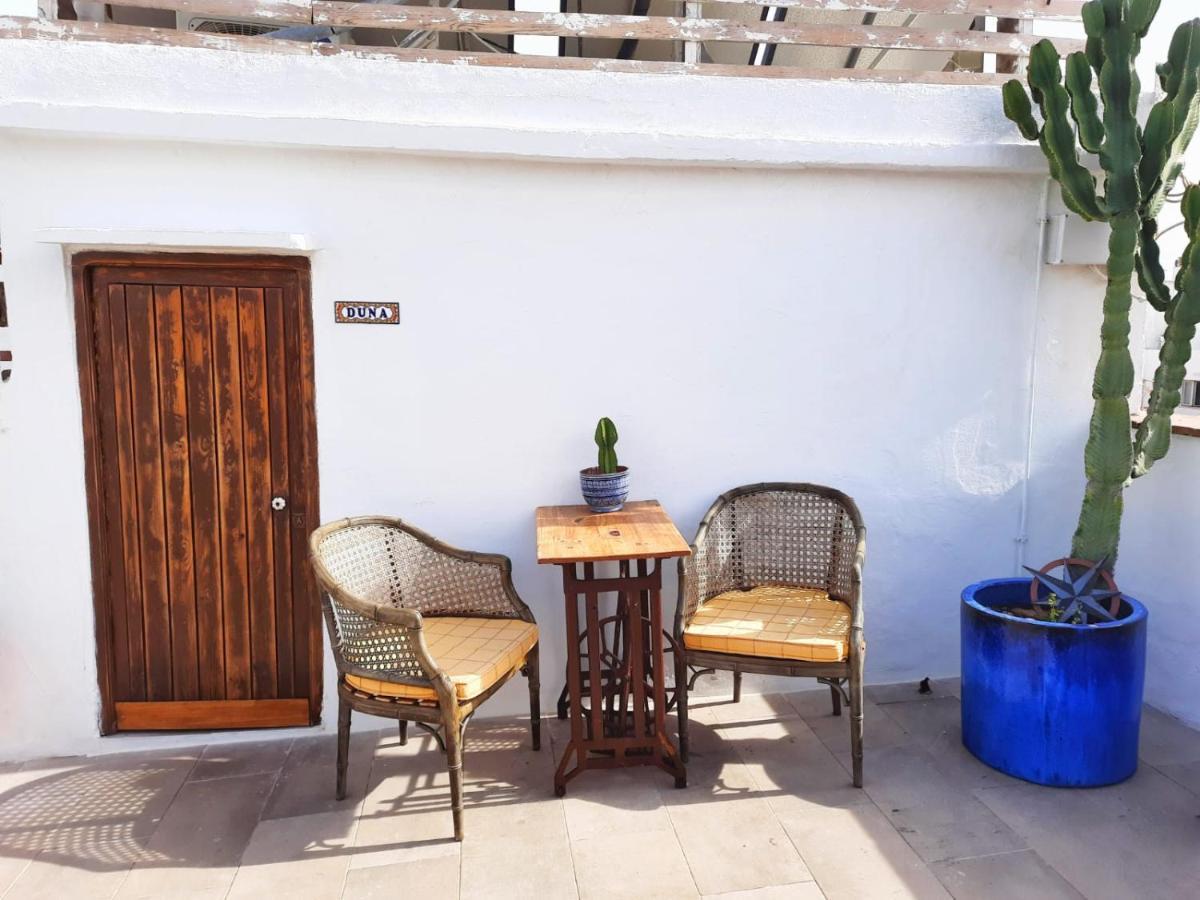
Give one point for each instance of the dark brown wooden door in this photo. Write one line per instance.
(201, 453)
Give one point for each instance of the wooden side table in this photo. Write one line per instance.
(625, 723)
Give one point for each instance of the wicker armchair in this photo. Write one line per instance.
(774, 587)
(421, 632)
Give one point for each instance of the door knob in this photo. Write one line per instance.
(278, 503)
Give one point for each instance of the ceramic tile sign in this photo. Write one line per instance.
(348, 312)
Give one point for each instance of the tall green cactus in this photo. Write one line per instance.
(606, 439)
(1141, 168)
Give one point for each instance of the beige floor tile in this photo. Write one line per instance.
(1186, 775)
(226, 760)
(435, 878)
(931, 723)
(500, 763)
(50, 878)
(909, 691)
(754, 708)
(513, 867)
(604, 801)
(853, 852)
(1136, 839)
(715, 771)
(622, 866)
(305, 784)
(1003, 876)
(804, 890)
(787, 757)
(1167, 741)
(300, 857)
(879, 729)
(196, 848)
(939, 818)
(736, 845)
(406, 812)
(528, 814)
(12, 864)
(936, 727)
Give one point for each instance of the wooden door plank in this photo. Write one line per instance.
(126, 467)
(304, 583)
(177, 484)
(231, 492)
(256, 430)
(148, 474)
(202, 456)
(116, 512)
(281, 520)
(209, 715)
(306, 622)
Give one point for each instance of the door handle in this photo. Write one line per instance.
(278, 503)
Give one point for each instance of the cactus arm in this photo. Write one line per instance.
(1121, 152)
(1058, 134)
(1085, 109)
(606, 439)
(1156, 149)
(1180, 81)
(1108, 458)
(1141, 15)
(1019, 109)
(1093, 25)
(1154, 433)
(1151, 277)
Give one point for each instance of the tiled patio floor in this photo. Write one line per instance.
(769, 813)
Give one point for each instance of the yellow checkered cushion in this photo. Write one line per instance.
(779, 622)
(475, 653)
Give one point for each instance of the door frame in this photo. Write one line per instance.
(83, 265)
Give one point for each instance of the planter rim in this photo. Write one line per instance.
(590, 473)
(1137, 614)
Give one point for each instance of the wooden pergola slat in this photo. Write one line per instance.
(94, 32)
(283, 12)
(670, 28)
(1049, 10)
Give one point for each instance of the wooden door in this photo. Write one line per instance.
(196, 374)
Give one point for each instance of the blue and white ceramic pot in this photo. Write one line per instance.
(1050, 702)
(604, 493)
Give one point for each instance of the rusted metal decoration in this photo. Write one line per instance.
(1082, 595)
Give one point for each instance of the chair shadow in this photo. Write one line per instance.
(97, 816)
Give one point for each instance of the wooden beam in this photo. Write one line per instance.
(108, 33)
(1050, 10)
(670, 28)
(644, 67)
(285, 12)
(129, 34)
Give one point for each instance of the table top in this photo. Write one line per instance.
(642, 530)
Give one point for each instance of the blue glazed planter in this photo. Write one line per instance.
(604, 493)
(1048, 702)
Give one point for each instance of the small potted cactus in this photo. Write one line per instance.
(606, 484)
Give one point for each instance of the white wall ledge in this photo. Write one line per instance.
(174, 239)
(345, 102)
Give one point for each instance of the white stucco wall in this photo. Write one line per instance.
(812, 307)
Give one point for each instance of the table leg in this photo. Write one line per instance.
(573, 682)
(640, 671)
